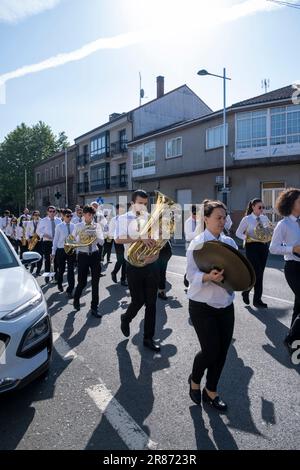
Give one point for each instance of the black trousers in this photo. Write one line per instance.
(88, 262)
(47, 250)
(38, 249)
(62, 258)
(121, 262)
(257, 254)
(164, 256)
(107, 247)
(292, 275)
(143, 285)
(214, 328)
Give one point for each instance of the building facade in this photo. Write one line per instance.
(50, 181)
(262, 155)
(103, 164)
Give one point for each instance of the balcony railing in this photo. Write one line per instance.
(119, 181)
(83, 187)
(118, 147)
(100, 185)
(82, 159)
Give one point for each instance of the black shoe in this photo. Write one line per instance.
(216, 402)
(109, 262)
(102, 275)
(245, 296)
(124, 283)
(149, 343)
(114, 277)
(69, 295)
(194, 394)
(162, 296)
(76, 305)
(96, 313)
(47, 280)
(260, 304)
(125, 326)
(38, 273)
(60, 288)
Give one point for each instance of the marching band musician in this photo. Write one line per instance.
(286, 241)
(211, 310)
(21, 235)
(62, 232)
(142, 281)
(89, 258)
(77, 216)
(46, 232)
(4, 221)
(11, 232)
(256, 250)
(119, 248)
(31, 230)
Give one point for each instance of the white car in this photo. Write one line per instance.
(25, 326)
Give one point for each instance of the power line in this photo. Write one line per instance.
(286, 4)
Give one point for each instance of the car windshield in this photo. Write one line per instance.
(7, 259)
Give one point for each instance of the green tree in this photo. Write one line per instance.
(21, 150)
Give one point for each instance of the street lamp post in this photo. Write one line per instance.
(224, 78)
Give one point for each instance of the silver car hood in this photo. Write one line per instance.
(17, 286)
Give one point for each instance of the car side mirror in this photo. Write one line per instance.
(30, 257)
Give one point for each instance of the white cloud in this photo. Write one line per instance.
(12, 11)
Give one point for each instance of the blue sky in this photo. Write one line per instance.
(253, 39)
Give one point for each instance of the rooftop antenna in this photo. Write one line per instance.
(142, 93)
(265, 84)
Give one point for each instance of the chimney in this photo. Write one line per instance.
(160, 85)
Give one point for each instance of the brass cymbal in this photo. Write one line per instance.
(239, 274)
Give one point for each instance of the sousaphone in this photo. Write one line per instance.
(238, 274)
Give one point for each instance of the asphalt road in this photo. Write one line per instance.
(107, 392)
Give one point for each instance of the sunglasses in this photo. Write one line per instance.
(261, 207)
(68, 215)
(51, 211)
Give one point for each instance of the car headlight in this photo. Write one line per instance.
(29, 305)
(35, 335)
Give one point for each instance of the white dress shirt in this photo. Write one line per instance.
(112, 226)
(286, 235)
(30, 228)
(45, 228)
(129, 225)
(11, 231)
(76, 219)
(61, 233)
(206, 292)
(4, 223)
(248, 224)
(99, 241)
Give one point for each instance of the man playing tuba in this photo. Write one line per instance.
(141, 254)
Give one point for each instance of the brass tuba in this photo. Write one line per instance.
(87, 236)
(137, 252)
(33, 241)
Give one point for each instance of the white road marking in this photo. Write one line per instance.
(267, 296)
(128, 430)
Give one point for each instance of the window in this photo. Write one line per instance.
(144, 156)
(285, 125)
(251, 130)
(47, 174)
(270, 192)
(214, 137)
(100, 177)
(7, 259)
(99, 146)
(63, 169)
(123, 140)
(174, 147)
(52, 173)
(37, 178)
(56, 171)
(138, 157)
